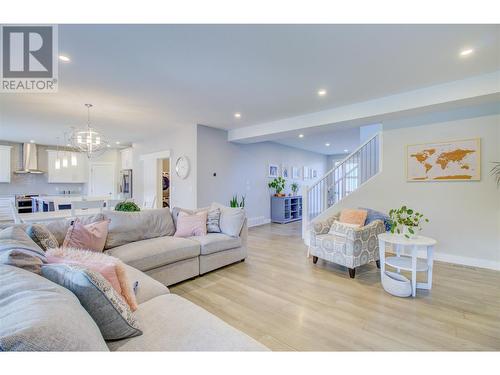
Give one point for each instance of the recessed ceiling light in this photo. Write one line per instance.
(108, 145)
(327, 144)
(117, 142)
(32, 141)
(346, 150)
(466, 52)
(237, 115)
(322, 92)
(64, 58)
(301, 135)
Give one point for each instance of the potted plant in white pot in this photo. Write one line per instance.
(295, 188)
(406, 221)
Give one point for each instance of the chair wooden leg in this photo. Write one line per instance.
(315, 259)
(378, 263)
(352, 272)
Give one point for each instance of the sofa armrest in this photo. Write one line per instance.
(244, 233)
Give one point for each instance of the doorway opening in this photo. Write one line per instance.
(165, 182)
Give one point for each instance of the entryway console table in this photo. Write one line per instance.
(408, 263)
(286, 209)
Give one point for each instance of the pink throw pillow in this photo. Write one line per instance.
(191, 225)
(111, 268)
(89, 237)
(349, 216)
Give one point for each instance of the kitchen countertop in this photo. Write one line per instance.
(36, 217)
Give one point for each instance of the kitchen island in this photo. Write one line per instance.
(40, 217)
(48, 203)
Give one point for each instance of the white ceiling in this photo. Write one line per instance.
(146, 79)
(339, 139)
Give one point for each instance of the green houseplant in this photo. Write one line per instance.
(278, 184)
(127, 207)
(495, 172)
(406, 221)
(234, 201)
(295, 188)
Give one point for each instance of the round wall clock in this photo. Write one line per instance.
(182, 167)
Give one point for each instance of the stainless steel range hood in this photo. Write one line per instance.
(29, 160)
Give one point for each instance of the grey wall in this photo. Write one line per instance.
(33, 183)
(242, 169)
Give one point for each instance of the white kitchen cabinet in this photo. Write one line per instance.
(71, 174)
(127, 157)
(5, 171)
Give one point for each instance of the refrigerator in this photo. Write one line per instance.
(126, 183)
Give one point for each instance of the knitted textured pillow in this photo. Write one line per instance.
(213, 221)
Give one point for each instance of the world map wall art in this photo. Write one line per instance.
(444, 161)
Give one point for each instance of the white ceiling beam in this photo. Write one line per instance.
(486, 84)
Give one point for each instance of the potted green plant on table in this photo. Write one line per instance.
(127, 207)
(278, 184)
(406, 221)
(295, 188)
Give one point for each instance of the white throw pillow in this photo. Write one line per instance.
(231, 219)
(334, 229)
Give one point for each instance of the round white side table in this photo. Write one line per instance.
(408, 263)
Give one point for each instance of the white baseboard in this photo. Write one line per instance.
(465, 261)
(256, 221)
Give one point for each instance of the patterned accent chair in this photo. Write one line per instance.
(334, 242)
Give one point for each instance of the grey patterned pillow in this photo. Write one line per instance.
(18, 249)
(110, 312)
(42, 236)
(213, 221)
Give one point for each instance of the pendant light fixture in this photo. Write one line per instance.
(57, 163)
(65, 160)
(88, 140)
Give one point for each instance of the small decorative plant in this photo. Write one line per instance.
(234, 201)
(495, 172)
(127, 207)
(294, 187)
(278, 184)
(406, 221)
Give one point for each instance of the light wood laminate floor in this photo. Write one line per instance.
(281, 299)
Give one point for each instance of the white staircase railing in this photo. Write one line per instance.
(347, 176)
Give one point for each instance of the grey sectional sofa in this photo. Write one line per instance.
(39, 315)
(144, 242)
(164, 257)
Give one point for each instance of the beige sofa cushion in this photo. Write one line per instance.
(215, 242)
(147, 288)
(231, 219)
(126, 227)
(155, 252)
(172, 323)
